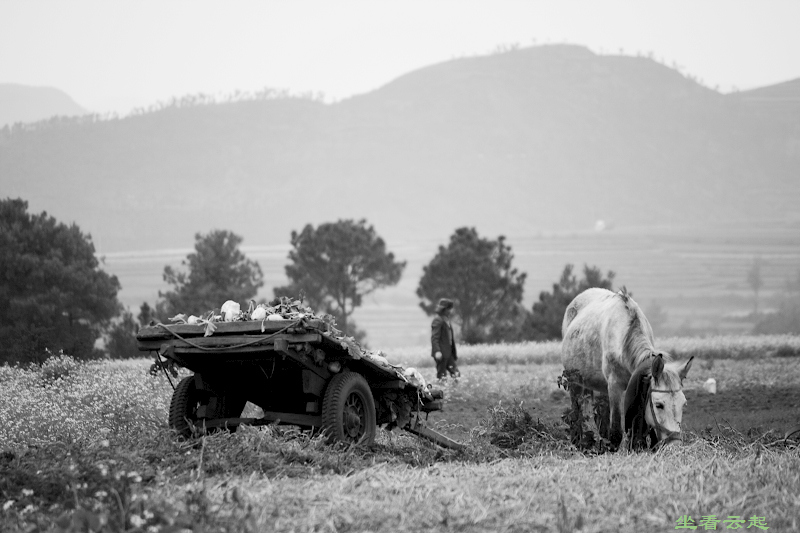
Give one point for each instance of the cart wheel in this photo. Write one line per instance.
(348, 410)
(183, 407)
(185, 401)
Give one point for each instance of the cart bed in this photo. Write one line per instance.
(297, 371)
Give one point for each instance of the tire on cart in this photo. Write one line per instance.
(348, 410)
(183, 407)
(184, 404)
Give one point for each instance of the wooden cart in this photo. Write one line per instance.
(296, 371)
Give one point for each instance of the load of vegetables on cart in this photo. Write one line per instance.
(293, 364)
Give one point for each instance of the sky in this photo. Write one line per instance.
(112, 56)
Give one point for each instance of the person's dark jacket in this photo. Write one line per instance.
(442, 339)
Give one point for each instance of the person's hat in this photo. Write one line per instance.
(443, 304)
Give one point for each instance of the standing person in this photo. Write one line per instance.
(443, 343)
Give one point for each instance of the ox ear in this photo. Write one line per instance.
(685, 369)
(657, 367)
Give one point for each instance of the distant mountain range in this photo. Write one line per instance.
(542, 139)
(23, 103)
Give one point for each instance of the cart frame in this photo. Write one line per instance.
(296, 371)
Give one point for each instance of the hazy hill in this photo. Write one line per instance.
(538, 139)
(23, 103)
(787, 92)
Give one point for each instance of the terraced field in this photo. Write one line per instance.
(697, 276)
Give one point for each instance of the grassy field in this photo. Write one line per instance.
(85, 447)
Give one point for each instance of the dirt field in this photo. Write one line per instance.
(758, 407)
(748, 407)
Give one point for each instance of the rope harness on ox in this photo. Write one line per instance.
(637, 428)
(659, 429)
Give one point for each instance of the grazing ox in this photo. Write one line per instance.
(609, 342)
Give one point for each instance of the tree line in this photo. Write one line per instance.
(55, 296)
(334, 266)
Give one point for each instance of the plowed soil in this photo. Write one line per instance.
(754, 410)
(758, 408)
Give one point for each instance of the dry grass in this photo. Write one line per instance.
(99, 430)
(544, 492)
(732, 346)
(488, 354)
(526, 353)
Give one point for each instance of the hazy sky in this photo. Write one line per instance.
(111, 55)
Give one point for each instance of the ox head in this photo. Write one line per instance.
(654, 400)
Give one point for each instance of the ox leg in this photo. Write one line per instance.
(602, 415)
(616, 399)
(589, 430)
(581, 417)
